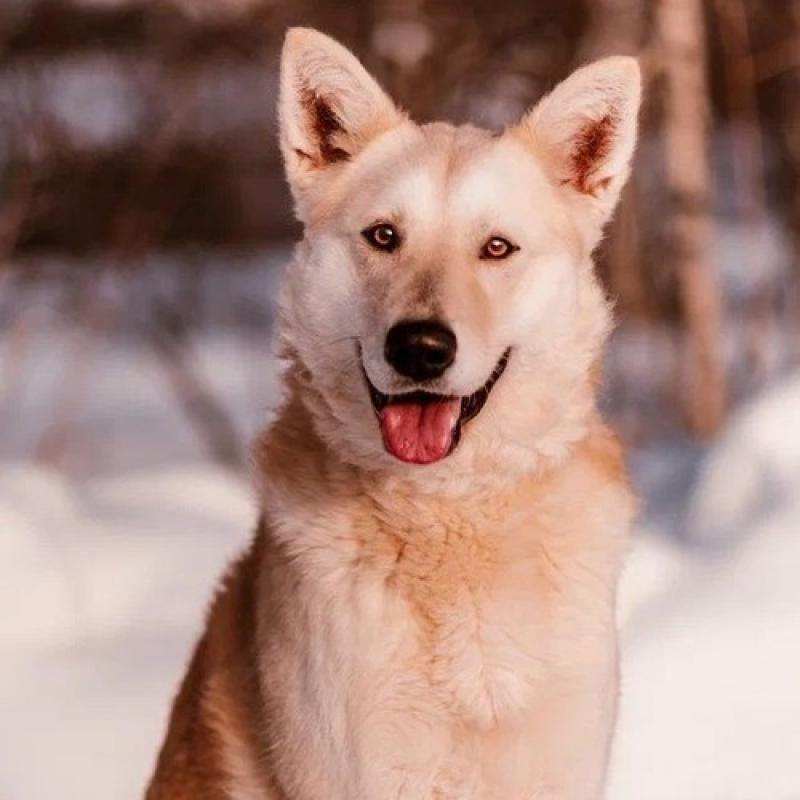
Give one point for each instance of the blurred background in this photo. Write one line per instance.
(144, 222)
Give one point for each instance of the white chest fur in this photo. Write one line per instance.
(442, 659)
(450, 654)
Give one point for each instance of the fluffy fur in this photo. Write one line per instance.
(439, 632)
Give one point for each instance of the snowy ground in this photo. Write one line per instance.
(104, 580)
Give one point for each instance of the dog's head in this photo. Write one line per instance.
(441, 307)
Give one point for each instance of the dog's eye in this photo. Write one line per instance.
(382, 237)
(497, 247)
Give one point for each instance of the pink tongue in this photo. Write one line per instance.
(420, 433)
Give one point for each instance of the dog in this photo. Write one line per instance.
(427, 611)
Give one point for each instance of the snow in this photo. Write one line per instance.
(711, 665)
(711, 635)
(106, 574)
(755, 467)
(106, 589)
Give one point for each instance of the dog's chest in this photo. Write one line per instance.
(478, 615)
(441, 640)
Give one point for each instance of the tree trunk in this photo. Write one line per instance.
(792, 114)
(749, 184)
(681, 33)
(615, 27)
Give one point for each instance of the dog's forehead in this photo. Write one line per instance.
(463, 173)
(413, 175)
(503, 180)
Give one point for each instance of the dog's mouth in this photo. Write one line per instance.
(424, 427)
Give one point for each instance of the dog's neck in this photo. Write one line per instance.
(297, 468)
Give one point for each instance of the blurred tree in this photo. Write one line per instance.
(681, 32)
(739, 86)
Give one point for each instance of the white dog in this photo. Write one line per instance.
(427, 611)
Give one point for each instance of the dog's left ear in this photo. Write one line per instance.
(584, 132)
(330, 108)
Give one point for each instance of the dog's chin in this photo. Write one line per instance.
(424, 427)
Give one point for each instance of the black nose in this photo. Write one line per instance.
(420, 349)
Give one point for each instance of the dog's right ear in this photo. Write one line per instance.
(584, 132)
(330, 107)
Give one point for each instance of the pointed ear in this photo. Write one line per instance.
(330, 107)
(585, 132)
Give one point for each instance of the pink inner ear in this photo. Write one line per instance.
(592, 146)
(325, 125)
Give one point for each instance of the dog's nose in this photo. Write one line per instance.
(420, 349)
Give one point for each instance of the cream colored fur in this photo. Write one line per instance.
(440, 632)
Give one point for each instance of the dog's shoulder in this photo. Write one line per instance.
(188, 764)
(212, 744)
(604, 451)
(597, 469)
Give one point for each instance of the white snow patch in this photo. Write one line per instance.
(105, 590)
(710, 701)
(711, 660)
(755, 465)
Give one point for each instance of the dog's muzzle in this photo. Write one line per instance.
(423, 427)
